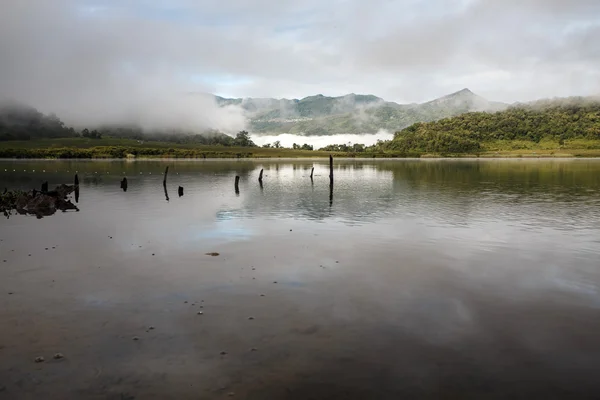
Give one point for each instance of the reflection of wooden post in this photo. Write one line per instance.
(237, 182)
(260, 175)
(76, 180)
(165, 178)
(330, 169)
(311, 172)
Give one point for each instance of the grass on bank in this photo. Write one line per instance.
(129, 148)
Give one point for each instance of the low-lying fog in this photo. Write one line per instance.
(287, 140)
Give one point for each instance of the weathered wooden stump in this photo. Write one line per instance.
(165, 177)
(331, 169)
(237, 184)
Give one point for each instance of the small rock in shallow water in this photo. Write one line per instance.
(39, 359)
(254, 349)
(185, 302)
(200, 313)
(150, 327)
(58, 356)
(274, 281)
(262, 295)
(135, 338)
(223, 353)
(251, 318)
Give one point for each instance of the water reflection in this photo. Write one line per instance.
(410, 277)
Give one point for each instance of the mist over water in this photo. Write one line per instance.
(287, 139)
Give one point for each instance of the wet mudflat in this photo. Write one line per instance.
(416, 279)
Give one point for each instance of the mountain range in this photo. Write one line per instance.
(352, 113)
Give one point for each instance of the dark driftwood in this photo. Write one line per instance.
(330, 169)
(260, 175)
(237, 183)
(180, 191)
(311, 173)
(38, 203)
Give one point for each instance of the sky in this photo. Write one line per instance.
(124, 59)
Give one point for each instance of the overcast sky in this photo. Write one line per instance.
(86, 54)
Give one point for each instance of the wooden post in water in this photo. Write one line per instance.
(124, 184)
(260, 175)
(180, 191)
(165, 178)
(76, 180)
(45, 186)
(311, 172)
(330, 170)
(237, 182)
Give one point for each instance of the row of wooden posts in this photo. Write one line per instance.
(260, 176)
(180, 189)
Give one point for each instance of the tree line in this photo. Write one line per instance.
(560, 121)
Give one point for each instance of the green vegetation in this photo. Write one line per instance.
(570, 124)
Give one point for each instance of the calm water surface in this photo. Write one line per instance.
(411, 279)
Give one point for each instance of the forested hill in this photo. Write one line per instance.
(553, 120)
(22, 122)
(352, 113)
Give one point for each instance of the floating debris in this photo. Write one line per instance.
(214, 254)
(150, 328)
(199, 313)
(185, 302)
(262, 295)
(231, 394)
(274, 281)
(223, 353)
(250, 318)
(254, 349)
(135, 338)
(39, 359)
(58, 356)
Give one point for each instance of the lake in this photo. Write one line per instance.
(411, 279)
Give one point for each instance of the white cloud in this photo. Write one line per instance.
(91, 60)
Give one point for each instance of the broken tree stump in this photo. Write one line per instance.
(237, 182)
